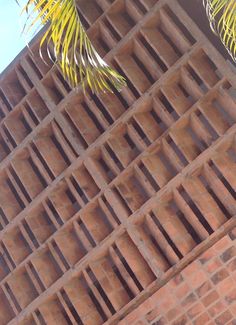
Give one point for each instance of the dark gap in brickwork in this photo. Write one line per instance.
(140, 131)
(15, 194)
(177, 151)
(37, 172)
(127, 267)
(71, 307)
(167, 237)
(9, 136)
(215, 197)
(30, 234)
(94, 299)
(60, 149)
(195, 209)
(222, 178)
(110, 209)
(86, 232)
(149, 177)
(102, 108)
(100, 290)
(40, 317)
(178, 23)
(80, 191)
(34, 67)
(93, 117)
(60, 255)
(155, 56)
(38, 154)
(54, 212)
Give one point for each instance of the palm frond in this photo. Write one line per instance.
(79, 61)
(222, 18)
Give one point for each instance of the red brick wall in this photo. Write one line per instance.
(203, 293)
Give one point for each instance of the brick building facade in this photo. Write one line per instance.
(120, 208)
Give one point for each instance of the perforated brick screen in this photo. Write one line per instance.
(105, 199)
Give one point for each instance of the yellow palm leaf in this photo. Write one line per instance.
(79, 61)
(222, 18)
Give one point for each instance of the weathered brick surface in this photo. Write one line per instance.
(191, 301)
(120, 207)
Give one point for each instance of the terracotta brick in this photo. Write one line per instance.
(222, 244)
(202, 319)
(232, 234)
(198, 279)
(189, 300)
(151, 315)
(160, 321)
(225, 285)
(190, 270)
(213, 265)
(173, 313)
(231, 297)
(231, 266)
(180, 321)
(224, 318)
(207, 256)
(203, 289)
(219, 276)
(228, 254)
(176, 281)
(210, 298)
(216, 309)
(233, 309)
(194, 311)
(233, 322)
(182, 291)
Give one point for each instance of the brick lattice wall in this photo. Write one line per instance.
(108, 201)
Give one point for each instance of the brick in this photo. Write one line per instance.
(180, 321)
(225, 285)
(231, 266)
(232, 308)
(176, 281)
(160, 321)
(182, 291)
(202, 319)
(224, 318)
(195, 310)
(216, 309)
(153, 314)
(207, 256)
(203, 289)
(173, 313)
(228, 254)
(210, 298)
(197, 279)
(233, 322)
(219, 276)
(189, 300)
(213, 265)
(190, 270)
(232, 234)
(231, 297)
(222, 244)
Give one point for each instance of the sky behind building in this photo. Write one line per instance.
(11, 39)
